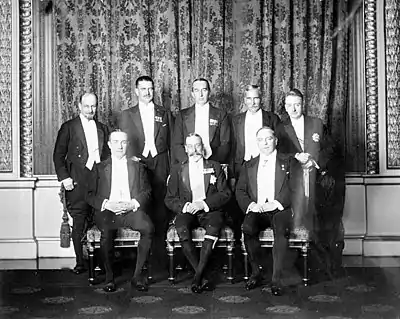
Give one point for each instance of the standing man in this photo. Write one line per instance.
(266, 193)
(120, 192)
(197, 191)
(211, 123)
(80, 143)
(306, 139)
(149, 130)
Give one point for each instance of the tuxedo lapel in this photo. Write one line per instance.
(241, 128)
(185, 176)
(280, 174)
(137, 121)
(212, 116)
(189, 120)
(253, 177)
(80, 133)
(158, 114)
(207, 176)
(107, 175)
(292, 135)
(307, 132)
(100, 136)
(131, 178)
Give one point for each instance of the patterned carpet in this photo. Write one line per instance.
(360, 293)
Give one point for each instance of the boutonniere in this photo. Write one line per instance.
(213, 179)
(158, 119)
(315, 137)
(208, 170)
(213, 122)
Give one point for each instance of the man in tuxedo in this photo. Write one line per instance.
(307, 140)
(80, 143)
(149, 129)
(265, 192)
(323, 177)
(197, 191)
(120, 192)
(211, 123)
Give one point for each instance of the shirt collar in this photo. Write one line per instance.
(203, 107)
(149, 105)
(84, 120)
(298, 121)
(254, 114)
(192, 161)
(118, 161)
(267, 157)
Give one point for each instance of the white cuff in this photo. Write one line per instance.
(136, 203)
(250, 207)
(280, 207)
(184, 209)
(206, 208)
(103, 206)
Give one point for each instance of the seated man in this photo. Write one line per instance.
(264, 193)
(119, 191)
(196, 192)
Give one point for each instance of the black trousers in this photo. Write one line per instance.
(281, 223)
(81, 214)
(158, 171)
(108, 223)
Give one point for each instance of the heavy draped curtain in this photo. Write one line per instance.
(104, 45)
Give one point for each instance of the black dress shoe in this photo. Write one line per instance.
(196, 286)
(276, 289)
(110, 287)
(79, 270)
(140, 283)
(98, 280)
(207, 285)
(253, 282)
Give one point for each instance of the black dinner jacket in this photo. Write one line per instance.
(215, 185)
(99, 187)
(71, 153)
(287, 186)
(219, 132)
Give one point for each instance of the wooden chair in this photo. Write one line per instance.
(299, 239)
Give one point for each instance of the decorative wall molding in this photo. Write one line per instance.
(26, 95)
(6, 151)
(371, 74)
(392, 56)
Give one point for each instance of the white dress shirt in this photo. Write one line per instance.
(252, 123)
(147, 116)
(202, 126)
(298, 125)
(92, 141)
(119, 180)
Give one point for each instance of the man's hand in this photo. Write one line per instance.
(303, 158)
(115, 207)
(68, 184)
(195, 207)
(309, 164)
(269, 207)
(255, 208)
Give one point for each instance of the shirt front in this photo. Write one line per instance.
(119, 180)
(298, 125)
(201, 126)
(92, 141)
(147, 116)
(266, 178)
(196, 178)
(253, 122)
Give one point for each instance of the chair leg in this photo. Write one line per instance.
(304, 251)
(149, 270)
(246, 262)
(170, 248)
(91, 262)
(229, 252)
